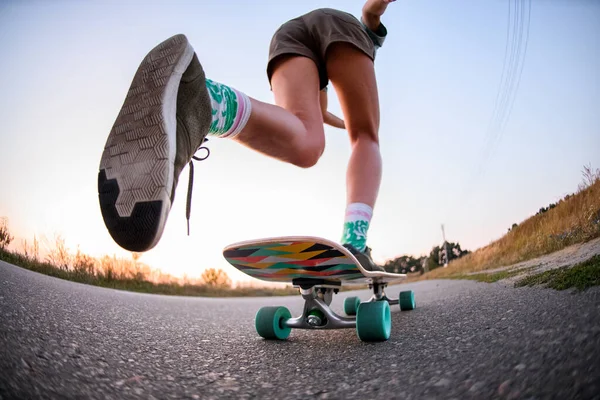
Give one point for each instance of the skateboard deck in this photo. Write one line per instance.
(303, 259)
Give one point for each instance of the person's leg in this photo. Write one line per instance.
(292, 130)
(169, 110)
(352, 75)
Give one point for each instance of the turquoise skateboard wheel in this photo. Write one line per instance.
(270, 322)
(351, 305)
(373, 321)
(407, 300)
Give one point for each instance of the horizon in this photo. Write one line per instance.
(23, 245)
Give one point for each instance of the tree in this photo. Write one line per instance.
(433, 261)
(216, 278)
(404, 264)
(437, 254)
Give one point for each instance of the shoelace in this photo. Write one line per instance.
(188, 204)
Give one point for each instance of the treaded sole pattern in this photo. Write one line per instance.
(135, 177)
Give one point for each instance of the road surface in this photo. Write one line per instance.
(60, 339)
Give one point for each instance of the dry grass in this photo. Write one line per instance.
(575, 219)
(121, 273)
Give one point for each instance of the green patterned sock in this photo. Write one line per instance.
(356, 224)
(231, 110)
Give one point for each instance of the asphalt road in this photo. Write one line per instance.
(60, 339)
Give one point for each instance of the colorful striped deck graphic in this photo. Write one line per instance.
(283, 261)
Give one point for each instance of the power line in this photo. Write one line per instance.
(512, 68)
(515, 56)
(518, 83)
(494, 132)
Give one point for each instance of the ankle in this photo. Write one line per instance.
(356, 224)
(231, 110)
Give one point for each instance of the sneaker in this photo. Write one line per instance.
(364, 258)
(163, 122)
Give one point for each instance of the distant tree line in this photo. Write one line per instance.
(436, 258)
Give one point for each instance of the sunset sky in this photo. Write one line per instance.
(67, 65)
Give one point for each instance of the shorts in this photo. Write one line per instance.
(310, 35)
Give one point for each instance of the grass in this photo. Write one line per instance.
(493, 277)
(138, 283)
(581, 276)
(575, 219)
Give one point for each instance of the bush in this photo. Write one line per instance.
(5, 237)
(216, 278)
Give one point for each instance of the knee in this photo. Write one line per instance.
(310, 153)
(308, 160)
(366, 136)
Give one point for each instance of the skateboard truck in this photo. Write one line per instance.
(317, 314)
(379, 293)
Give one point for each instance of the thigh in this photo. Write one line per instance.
(295, 85)
(352, 74)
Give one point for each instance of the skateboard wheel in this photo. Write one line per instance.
(373, 321)
(407, 300)
(270, 322)
(351, 305)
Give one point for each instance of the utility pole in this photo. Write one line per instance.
(445, 247)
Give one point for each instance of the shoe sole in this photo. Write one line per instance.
(135, 178)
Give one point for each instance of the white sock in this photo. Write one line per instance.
(356, 224)
(231, 110)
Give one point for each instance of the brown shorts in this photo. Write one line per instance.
(311, 34)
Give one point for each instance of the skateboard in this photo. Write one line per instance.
(318, 268)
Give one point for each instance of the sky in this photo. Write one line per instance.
(67, 65)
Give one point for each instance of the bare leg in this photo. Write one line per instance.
(292, 131)
(357, 90)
